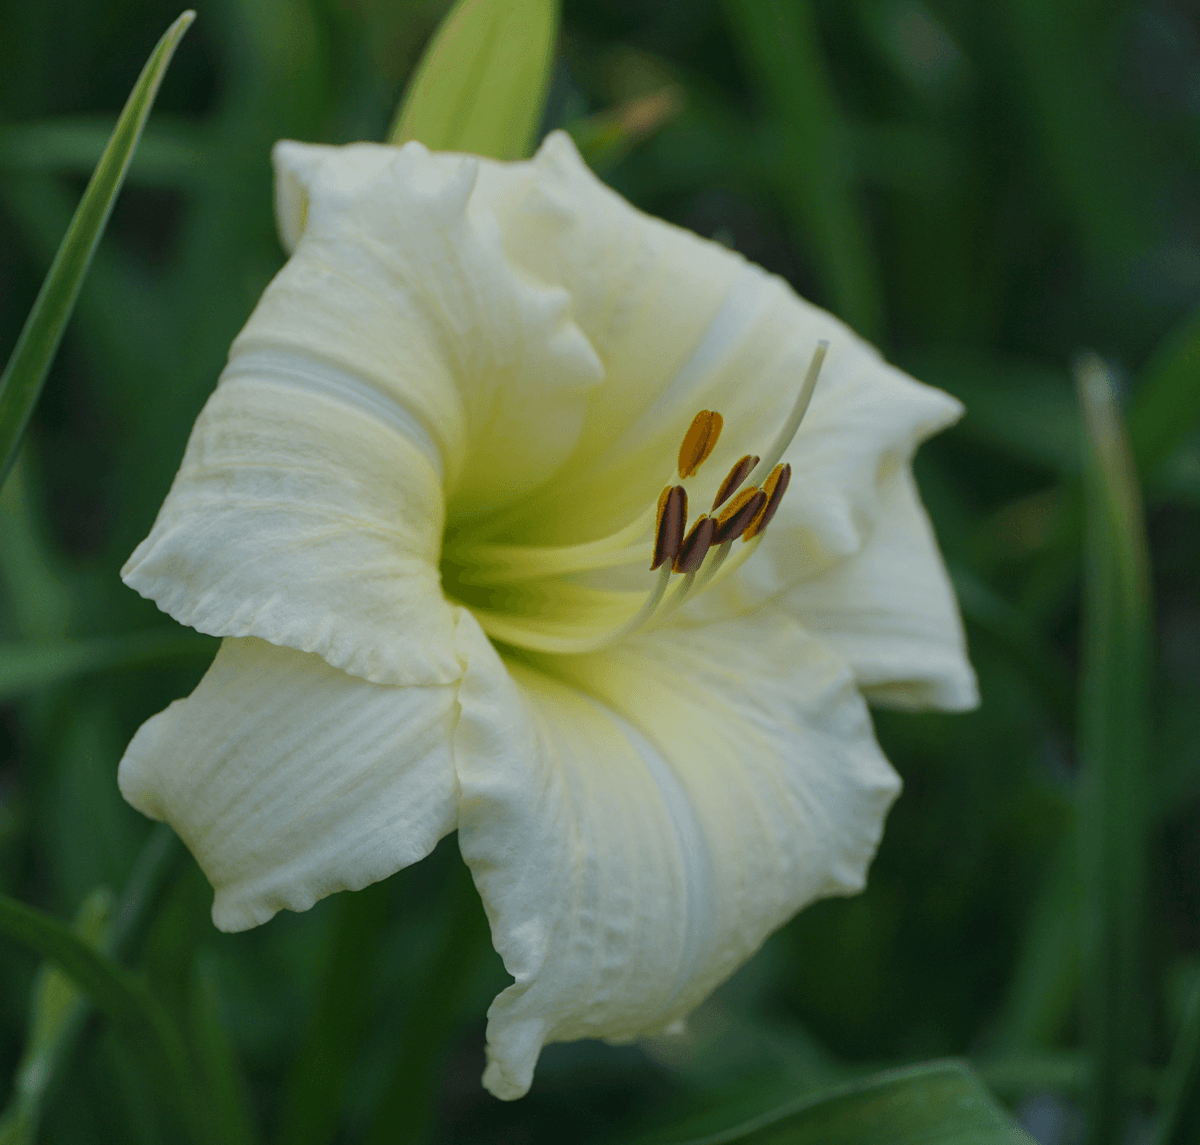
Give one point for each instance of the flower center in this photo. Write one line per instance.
(561, 599)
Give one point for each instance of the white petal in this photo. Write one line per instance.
(400, 278)
(309, 522)
(639, 820)
(289, 780)
(890, 610)
(681, 324)
(399, 361)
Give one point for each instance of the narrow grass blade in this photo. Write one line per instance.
(57, 1011)
(1166, 406)
(1179, 1115)
(39, 339)
(28, 665)
(779, 43)
(111, 987)
(1013, 1076)
(36, 581)
(1091, 145)
(149, 876)
(1113, 735)
(229, 1120)
(109, 929)
(1044, 990)
(481, 85)
(1013, 630)
(314, 1091)
(115, 991)
(406, 1111)
(938, 1103)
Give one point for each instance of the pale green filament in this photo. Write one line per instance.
(788, 430)
(550, 610)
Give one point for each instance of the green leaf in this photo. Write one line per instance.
(341, 1019)
(115, 991)
(481, 84)
(406, 1109)
(28, 665)
(108, 929)
(1026, 411)
(815, 159)
(110, 986)
(43, 330)
(1166, 408)
(1179, 1115)
(147, 881)
(1113, 736)
(37, 584)
(938, 1103)
(57, 1010)
(168, 155)
(1091, 144)
(229, 1120)
(1013, 630)
(1042, 995)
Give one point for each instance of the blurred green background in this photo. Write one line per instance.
(983, 189)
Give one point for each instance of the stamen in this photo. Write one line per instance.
(668, 532)
(695, 545)
(699, 441)
(774, 487)
(784, 437)
(733, 482)
(738, 514)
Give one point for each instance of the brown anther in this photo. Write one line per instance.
(695, 545)
(738, 514)
(668, 532)
(774, 487)
(738, 474)
(699, 441)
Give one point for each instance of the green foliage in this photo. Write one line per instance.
(935, 1104)
(481, 85)
(115, 991)
(982, 188)
(813, 165)
(1113, 738)
(26, 370)
(57, 1008)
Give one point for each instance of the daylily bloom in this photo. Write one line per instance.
(422, 507)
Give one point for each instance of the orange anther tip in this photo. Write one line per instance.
(699, 441)
(738, 514)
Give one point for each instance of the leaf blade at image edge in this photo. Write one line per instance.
(43, 329)
(481, 84)
(112, 989)
(936, 1103)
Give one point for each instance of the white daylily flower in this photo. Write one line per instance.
(450, 419)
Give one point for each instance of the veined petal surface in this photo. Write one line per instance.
(399, 363)
(681, 324)
(639, 820)
(890, 610)
(400, 277)
(308, 522)
(887, 607)
(454, 410)
(289, 780)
